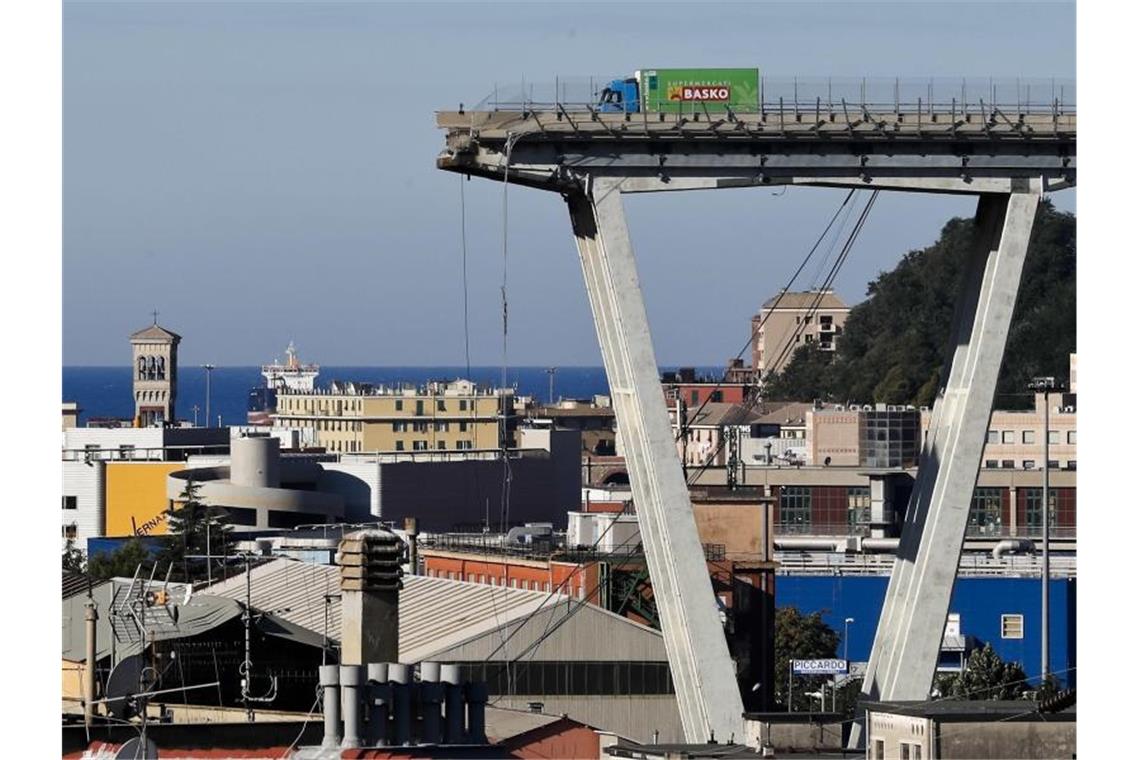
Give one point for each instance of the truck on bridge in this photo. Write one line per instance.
(683, 90)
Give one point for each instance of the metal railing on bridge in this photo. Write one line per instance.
(817, 95)
(970, 564)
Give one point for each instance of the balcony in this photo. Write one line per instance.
(827, 327)
(826, 346)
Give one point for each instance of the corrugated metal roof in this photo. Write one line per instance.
(435, 614)
(76, 583)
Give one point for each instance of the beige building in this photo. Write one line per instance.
(154, 356)
(357, 417)
(789, 320)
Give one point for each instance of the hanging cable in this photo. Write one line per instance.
(816, 301)
(463, 248)
(783, 291)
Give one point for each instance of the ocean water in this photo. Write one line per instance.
(106, 391)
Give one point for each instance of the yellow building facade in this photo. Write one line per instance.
(356, 418)
(136, 497)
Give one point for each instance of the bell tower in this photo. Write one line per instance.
(154, 362)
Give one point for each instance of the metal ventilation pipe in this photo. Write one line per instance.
(330, 704)
(431, 697)
(379, 704)
(401, 681)
(1012, 546)
(476, 712)
(89, 618)
(453, 733)
(350, 682)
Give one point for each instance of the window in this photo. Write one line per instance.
(1033, 508)
(463, 405)
(419, 445)
(904, 751)
(858, 506)
(1072, 437)
(1054, 464)
(126, 451)
(419, 408)
(991, 464)
(1007, 464)
(1071, 464)
(70, 502)
(1028, 436)
(985, 512)
(1028, 464)
(440, 405)
(917, 755)
(399, 405)
(809, 338)
(795, 509)
(880, 750)
(1012, 626)
(1054, 436)
(399, 445)
(442, 445)
(69, 531)
(991, 436)
(462, 427)
(1007, 436)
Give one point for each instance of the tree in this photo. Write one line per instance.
(195, 530)
(894, 345)
(800, 637)
(72, 557)
(120, 563)
(986, 676)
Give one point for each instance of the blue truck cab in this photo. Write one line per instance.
(620, 96)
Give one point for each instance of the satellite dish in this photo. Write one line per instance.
(137, 749)
(127, 678)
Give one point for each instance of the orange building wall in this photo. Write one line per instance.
(138, 490)
(564, 739)
(516, 573)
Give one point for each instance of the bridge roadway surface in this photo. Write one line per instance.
(1008, 159)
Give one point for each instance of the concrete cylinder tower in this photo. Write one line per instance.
(255, 462)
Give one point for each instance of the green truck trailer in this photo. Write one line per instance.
(683, 91)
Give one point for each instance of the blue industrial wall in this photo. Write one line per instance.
(979, 601)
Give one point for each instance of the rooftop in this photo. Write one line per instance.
(811, 299)
(155, 332)
(436, 614)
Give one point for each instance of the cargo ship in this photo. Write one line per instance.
(291, 375)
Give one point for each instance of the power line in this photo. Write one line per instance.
(816, 301)
(783, 291)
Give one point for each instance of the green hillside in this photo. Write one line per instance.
(895, 343)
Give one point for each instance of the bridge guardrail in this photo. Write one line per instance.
(805, 95)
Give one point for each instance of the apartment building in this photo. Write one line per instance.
(439, 416)
(790, 320)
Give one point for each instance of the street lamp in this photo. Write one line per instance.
(209, 370)
(846, 622)
(1043, 385)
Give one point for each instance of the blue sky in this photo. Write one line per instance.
(261, 172)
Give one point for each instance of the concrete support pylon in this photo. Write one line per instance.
(703, 673)
(909, 636)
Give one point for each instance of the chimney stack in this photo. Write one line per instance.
(370, 595)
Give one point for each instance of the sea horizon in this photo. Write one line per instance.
(104, 391)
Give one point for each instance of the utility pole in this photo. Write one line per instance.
(1043, 385)
(209, 370)
(550, 371)
(195, 408)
